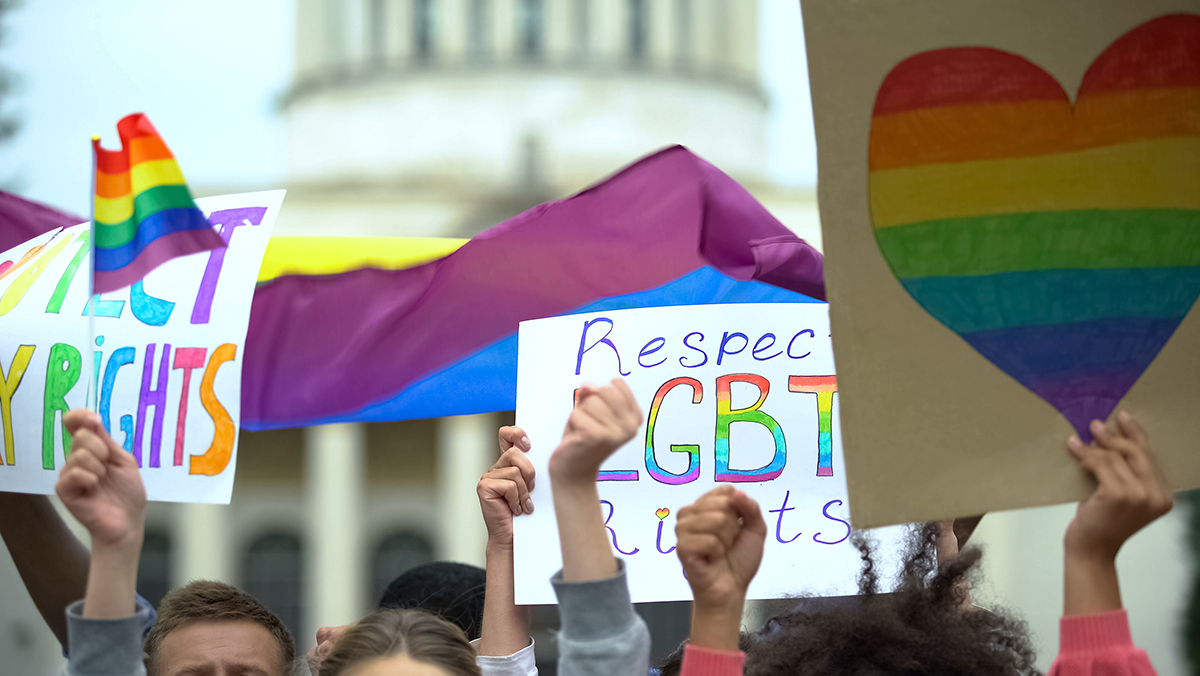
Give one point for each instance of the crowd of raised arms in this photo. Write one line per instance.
(446, 619)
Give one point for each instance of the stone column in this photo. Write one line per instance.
(504, 30)
(399, 30)
(558, 31)
(334, 571)
(204, 551)
(452, 31)
(662, 47)
(466, 448)
(610, 31)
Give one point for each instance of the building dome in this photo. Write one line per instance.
(478, 108)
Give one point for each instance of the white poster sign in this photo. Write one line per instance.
(166, 371)
(744, 394)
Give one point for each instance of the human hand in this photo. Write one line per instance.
(504, 490)
(1130, 493)
(101, 486)
(326, 637)
(719, 541)
(603, 420)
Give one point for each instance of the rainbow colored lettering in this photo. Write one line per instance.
(824, 387)
(652, 467)
(726, 416)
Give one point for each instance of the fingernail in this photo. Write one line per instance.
(1097, 427)
(1074, 442)
(525, 443)
(1124, 416)
(529, 505)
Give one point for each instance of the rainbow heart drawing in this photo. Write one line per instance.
(1061, 242)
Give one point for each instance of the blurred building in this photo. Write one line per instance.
(443, 118)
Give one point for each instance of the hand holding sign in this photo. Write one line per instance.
(100, 483)
(1131, 493)
(720, 544)
(102, 487)
(504, 490)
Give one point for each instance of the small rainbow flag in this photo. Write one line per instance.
(144, 213)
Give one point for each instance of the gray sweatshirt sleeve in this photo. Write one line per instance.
(106, 647)
(601, 635)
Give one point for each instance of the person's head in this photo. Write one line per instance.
(216, 629)
(923, 627)
(408, 642)
(452, 591)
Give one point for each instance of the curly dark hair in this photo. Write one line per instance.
(924, 627)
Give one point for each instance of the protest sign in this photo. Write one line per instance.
(743, 394)
(165, 374)
(1009, 214)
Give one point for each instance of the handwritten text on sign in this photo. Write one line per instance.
(164, 372)
(743, 394)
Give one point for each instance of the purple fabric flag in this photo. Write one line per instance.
(440, 339)
(21, 220)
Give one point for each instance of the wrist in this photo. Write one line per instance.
(716, 624)
(499, 549)
(572, 476)
(122, 549)
(571, 464)
(1090, 583)
(721, 605)
(1092, 554)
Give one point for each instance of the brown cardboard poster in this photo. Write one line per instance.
(1010, 206)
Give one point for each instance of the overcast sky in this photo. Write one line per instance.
(211, 84)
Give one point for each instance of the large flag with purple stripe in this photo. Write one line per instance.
(144, 214)
(441, 338)
(377, 329)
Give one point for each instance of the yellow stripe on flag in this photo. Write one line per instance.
(115, 210)
(146, 175)
(333, 255)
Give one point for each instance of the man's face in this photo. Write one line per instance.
(219, 648)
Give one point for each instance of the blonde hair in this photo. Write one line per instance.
(415, 633)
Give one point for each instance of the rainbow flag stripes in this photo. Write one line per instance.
(144, 213)
(1062, 242)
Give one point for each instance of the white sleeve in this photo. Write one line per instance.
(520, 663)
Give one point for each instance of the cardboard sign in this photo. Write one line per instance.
(165, 373)
(1009, 209)
(742, 394)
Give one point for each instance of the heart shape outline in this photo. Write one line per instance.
(1060, 240)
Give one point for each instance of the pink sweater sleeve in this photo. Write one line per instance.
(704, 662)
(1099, 645)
